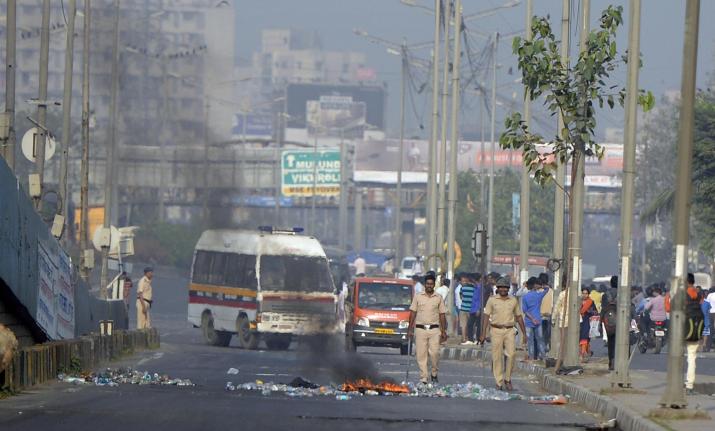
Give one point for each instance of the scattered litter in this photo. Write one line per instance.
(232, 371)
(300, 382)
(570, 371)
(553, 400)
(114, 377)
(468, 390)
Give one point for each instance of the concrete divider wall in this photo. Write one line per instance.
(22, 231)
(43, 362)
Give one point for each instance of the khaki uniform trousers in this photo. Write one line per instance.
(503, 343)
(143, 317)
(427, 343)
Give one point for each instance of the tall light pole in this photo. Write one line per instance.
(454, 147)
(525, 178)
(111, 147)
(84, 168)
(8, 146)
(490, 204)
(431, 212)
(674, 395)
(398, 192)
(442, 167)
(41, 141)
(559, 193)
(576, 222)
(621, 376)
(343, 203)
(67, 107)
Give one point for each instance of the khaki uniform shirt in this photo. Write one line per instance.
(503, 312)
(427, 308)
(144, 290)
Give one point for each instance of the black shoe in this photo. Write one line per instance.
(610, 365)
(435, 379)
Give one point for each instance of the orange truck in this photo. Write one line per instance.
(378, 313)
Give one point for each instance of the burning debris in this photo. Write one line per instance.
(365, 387)
(115, 377)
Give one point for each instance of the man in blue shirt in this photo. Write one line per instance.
(531, 306)
(466, 293)
(475, 313)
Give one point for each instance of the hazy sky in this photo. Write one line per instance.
(662, 25)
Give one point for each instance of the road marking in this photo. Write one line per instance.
(272, 375)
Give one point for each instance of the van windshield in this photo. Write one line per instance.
(384, 296)
(408, 263)
(295, 274)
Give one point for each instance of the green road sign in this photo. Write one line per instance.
(298, 169)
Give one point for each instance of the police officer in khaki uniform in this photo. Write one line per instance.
(428, 325)
(144, 299)
(503, 312)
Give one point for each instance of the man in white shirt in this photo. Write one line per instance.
(419, 287)
(359, 265)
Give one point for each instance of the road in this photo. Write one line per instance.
(208, 405)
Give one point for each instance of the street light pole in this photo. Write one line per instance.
(559, 193)
(109, 170)
(442, 186)
(674, 395)
(84, 168)
(8, 147)
(41, 141)
(67, 108)
(576, 221)
(621, 376)
(490, 204)
(454, 148)
(343, 204)
(525, 178)
(431, 212)
(398, 192)
(315, 184)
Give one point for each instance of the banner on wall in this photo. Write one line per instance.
(65, 297)
(46, 278)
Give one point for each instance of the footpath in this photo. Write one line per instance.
(635, 409)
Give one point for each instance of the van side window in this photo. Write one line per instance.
(218, 268)
(241, 271)
(202, 267)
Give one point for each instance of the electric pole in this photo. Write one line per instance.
(41, 138)
(490, 204)
(398, 192)
(442, 186)
(559, 192)
(67, 110)
(674, 396)
(205, 192)
(8, 146)
(343, 204)
(109, 171)
(85, 264)
(357, 232)
(525, 197)
(621, 376)
(454, 148)
(576, 220)
(431, 212)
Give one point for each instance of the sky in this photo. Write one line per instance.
(662, 27)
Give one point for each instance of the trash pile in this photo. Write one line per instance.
(115, 376)
(302, 388)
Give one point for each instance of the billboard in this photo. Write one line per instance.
(336, 116)
(301, 171)
(298, 95)
(252, 126)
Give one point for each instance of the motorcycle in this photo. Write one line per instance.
(654, 337)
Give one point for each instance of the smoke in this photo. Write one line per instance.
(327, 352)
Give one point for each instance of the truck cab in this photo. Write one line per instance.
(378, 313)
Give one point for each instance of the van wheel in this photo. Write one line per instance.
(350, 345)
(246, 338)
(211, 335)
(278, 342)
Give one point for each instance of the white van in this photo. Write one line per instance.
(267, 284)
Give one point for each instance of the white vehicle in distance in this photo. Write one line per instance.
(269, 285)
(408, 266)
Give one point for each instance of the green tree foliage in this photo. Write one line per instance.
(569, 91)
(506, 183)
(704, 172)
(167, 243)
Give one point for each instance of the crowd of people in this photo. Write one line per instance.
(484, 309)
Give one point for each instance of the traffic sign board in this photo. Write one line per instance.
(298, 169)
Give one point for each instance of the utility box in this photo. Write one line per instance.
(35, 188)
(89, 258)
(4, 125)
(58, 226)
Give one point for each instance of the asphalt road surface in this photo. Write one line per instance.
(208, 406)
